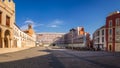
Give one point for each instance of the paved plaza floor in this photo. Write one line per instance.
(46, 57)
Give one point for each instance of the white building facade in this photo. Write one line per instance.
(77, 38)
(99, 39)
(47, 39)
(21, 39)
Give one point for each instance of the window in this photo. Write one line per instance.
(98, 33)
(118, 39)
(110, 39)
(9, 0)
(117, 31)
(3, 0)
(0, 17)
(7, 21)
(110, 23)
(102, 39)
(102, 32)
(110, 31)
(40, 34)
(118, 22)
(98, 40)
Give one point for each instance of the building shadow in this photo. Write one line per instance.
(44, 61)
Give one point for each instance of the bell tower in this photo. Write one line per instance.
(30, 30)
(29, 26)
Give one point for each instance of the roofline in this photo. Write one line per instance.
(50, 33)
(99, 29)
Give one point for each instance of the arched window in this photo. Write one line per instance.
(117, 22)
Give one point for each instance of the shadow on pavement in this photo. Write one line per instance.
(44, 61)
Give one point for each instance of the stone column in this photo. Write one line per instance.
(11, 39)
(2, 39)
(8, 41)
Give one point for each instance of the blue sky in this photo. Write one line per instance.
(62, 15)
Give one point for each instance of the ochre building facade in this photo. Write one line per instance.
(8, 38)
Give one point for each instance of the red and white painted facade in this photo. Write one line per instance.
(111, 40)
(113, 32)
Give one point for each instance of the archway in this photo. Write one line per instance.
(7, 38)
(0, 38)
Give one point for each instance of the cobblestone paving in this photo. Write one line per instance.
(40, 57)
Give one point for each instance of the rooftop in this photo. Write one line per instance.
(116, 12)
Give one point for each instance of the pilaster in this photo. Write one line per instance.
(3, 44)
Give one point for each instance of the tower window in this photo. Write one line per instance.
(8, 21)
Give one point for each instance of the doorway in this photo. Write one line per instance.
(110, 47)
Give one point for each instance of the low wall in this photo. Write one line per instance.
(71, 45)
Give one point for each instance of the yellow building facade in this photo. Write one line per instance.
(8, 35)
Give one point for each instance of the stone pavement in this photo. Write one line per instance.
(30, 58)
(87, 59)
(41, 57)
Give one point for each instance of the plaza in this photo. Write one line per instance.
(41, 57)
(28, 49)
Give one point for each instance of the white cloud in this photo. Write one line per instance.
(56, 23)
(54, 26)
(34, 24)
(29, 22)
